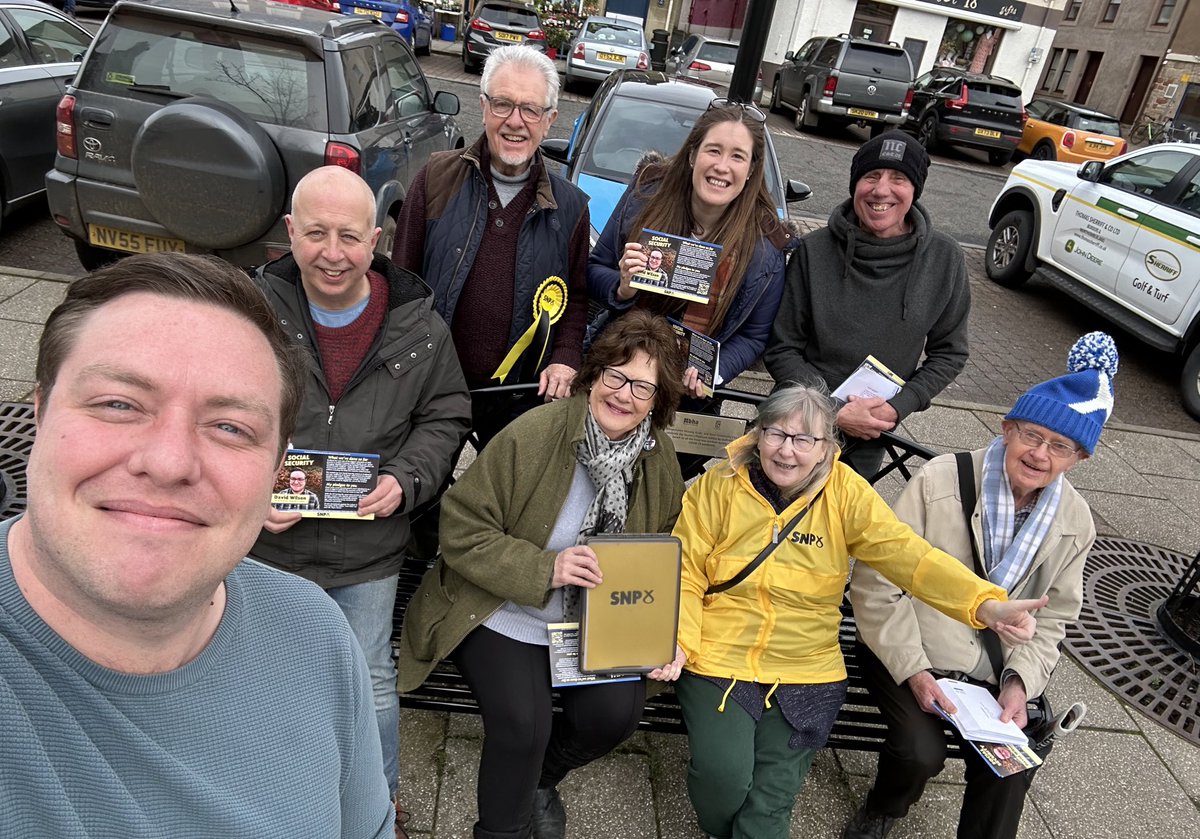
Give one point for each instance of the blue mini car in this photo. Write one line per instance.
(408, 19)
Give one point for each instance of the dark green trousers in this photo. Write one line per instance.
(742, 777)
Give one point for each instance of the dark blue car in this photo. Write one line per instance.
(408, 19)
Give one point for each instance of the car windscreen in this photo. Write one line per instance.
(888, 64)
(604, 33)
(152, 60)
(509, 17)
(990, 95)
(630, 128)
(1099, 125)
(718, 53)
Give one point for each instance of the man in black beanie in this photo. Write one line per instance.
(880, 281)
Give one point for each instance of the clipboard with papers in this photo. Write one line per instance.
(630, 622)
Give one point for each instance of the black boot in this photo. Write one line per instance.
(549, 817)
(868, 825)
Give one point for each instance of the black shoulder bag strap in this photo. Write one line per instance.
(765, 552)
(966, 492)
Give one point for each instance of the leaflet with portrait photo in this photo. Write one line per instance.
(319, 484)
(1006, 758)
(703, 353)
(677, 266)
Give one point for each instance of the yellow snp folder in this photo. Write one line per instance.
(630, 621)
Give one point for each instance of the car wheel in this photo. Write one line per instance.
(805, 119)
(877, 128)
(468, 64)
(927, 133)
(776, 96)
(1044, 151)
(999, 157)
(387, 237)
(188, 185)
(1007, 248)
(1189, 383)
(93, 258)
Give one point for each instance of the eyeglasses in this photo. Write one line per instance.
(616, 380)
(503, 108)
(776, 437)
(750, 110)
(1035, 441)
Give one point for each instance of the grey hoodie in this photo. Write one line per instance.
(848, 294)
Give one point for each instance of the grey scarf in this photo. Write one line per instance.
(609, 464)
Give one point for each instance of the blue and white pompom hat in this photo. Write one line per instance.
(1078, 404)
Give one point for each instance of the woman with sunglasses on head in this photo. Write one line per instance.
(713, 190)
(511, 563)
(767, 537)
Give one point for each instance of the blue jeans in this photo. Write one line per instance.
(368, 608)
(69, 7)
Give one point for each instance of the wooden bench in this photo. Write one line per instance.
(859, 725)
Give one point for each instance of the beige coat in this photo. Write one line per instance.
(909, 637)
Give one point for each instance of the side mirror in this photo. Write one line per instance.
(556, 149)
(445, 102)
(1091, 171)
(797, 191)
(789, 56)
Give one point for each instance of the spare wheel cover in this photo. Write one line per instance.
(209, 173)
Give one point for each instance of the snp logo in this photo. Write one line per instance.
(631, 598)
(808, 539)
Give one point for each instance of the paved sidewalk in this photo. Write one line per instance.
(1120, 776)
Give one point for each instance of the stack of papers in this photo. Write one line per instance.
(978, 714)
(872, 378)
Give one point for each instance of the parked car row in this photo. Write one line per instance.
(184, 109)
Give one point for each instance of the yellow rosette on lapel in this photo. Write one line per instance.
(548, 306)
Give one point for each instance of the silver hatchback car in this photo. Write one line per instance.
(604, 44)
(709, 62)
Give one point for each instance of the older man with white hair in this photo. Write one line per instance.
(504, 242)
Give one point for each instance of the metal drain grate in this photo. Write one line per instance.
(16, 440)
(1118, 640)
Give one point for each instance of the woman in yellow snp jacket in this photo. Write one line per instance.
(761, 675)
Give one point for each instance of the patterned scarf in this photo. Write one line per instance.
(1007, 556)
(609, 463)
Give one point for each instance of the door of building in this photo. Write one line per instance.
(1090, 69)
(1137, 93)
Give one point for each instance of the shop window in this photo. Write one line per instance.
(969, 46)
(1110, 11)
(1165, 11)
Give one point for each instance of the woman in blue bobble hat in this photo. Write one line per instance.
(1031, 531)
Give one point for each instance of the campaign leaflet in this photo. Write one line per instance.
(328, 485)
(677, 266)
(871, 378)
(564, 659)
(703, 353)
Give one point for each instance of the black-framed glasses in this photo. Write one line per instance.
(776, 437)
(751, 111)
(616, 380)
(503, 108)
(1034, 440)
